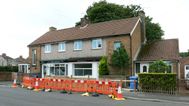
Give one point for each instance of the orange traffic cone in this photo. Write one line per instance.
(14, 84)
(36, 87)
(119, 95)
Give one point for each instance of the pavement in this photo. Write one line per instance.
(155, 97)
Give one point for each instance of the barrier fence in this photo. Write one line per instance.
(93, 86)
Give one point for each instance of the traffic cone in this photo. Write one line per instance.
(119, 95)
(36, 88)
(14, 84)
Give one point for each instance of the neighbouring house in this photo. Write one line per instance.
(184, 68)
(23, 65)
(76, 51)
(7, 61)
(165, 50)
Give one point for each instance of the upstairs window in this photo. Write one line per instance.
(78, 45)
(117, 45)
(96, 43)
(33, 57)
(47, 48)
(61, 47)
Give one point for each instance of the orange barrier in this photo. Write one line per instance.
(93, 86)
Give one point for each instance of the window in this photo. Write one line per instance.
(61, 47)
(96, 43)
(187, 67)
(47, 48)
(78, 45)
(83, 69)
(137, 67)
(117, 45)
(144, 69)
(58, 69)
(33, 57)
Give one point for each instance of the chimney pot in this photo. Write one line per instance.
(52, 28)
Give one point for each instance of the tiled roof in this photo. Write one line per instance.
(160, 50)
(103, 29)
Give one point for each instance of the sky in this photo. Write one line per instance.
(23, 21)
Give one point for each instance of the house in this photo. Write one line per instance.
(184, 68)
(76, 51)
(165, 50)
(6, 60)
(23, 65)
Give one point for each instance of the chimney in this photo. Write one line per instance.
(52, 28)
(4, 54)
(142, 16)
(20, 57)
(84, 21)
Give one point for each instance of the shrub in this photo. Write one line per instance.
(157, 81)
(8, 68)
(158, 67)
(103, 67)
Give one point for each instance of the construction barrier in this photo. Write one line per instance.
(73, 85)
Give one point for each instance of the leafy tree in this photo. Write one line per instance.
(103, 66)
(184, 54)
(120, 58)
(104, 11)
(159, 67)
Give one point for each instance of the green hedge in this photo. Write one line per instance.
(8, 68)
(157, 81)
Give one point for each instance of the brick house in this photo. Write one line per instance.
(165, 50)
(184, 68)
(76, 51)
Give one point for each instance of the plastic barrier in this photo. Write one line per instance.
(93, 86)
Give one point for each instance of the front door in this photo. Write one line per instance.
(186, 72)
(144, 68)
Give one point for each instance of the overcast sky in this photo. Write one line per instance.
(23, 21)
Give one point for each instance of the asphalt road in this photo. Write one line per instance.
(23, 97)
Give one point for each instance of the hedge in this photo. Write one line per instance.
(157, 81)
(8, 68)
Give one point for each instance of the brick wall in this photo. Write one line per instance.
(5, 76)
(183, 62)
(35, 68)
(125, 39)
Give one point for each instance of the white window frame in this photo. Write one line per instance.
(82, 69)
(47, 48)
(95, 43)
(77, 43)
(115, 43)
(61, 47)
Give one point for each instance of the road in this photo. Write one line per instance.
(22, 97)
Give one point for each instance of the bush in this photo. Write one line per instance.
(103, 67)
(159, 67)
(8, 68)
(157, 81)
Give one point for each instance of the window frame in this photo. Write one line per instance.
(34, 54)
(116, 43)
(83, 70)
(60, 46)
(95, 42)
(76, 44)
(47, 48)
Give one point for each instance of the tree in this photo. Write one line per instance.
(103, 66)
(104, 11)
(184, 54)
(159, 67)
(120, 58)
